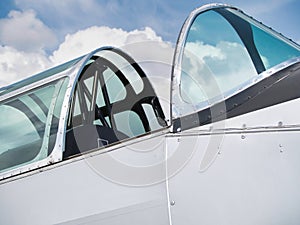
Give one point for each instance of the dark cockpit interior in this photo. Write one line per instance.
(113, 101)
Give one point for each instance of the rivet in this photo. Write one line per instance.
(281, 148)
(243, 136)
(172, 202)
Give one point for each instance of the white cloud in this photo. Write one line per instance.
(214, 70)
(142, 45)
(84, 41)
(149, 50)
(15, 64)
(145, 46)
(25, 32)
(204, 50)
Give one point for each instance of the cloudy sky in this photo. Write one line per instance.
(36, 35)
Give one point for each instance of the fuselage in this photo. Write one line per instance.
(211, 139)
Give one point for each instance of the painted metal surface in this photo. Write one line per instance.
(88, 190)
(252, 176)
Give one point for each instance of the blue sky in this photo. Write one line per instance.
(35, 35)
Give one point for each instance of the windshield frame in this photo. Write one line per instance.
(182, 108)
(67, 72)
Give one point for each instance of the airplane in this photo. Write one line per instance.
(211, 138)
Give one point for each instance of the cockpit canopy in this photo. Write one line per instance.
(96, 100)
(106, 98)
(222, 51)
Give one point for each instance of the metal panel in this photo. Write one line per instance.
(93, 189)
(253, 173)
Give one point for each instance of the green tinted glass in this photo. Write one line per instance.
(29, 124)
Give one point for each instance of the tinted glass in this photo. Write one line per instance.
(224, 52)
(28, 126)
(215, 59)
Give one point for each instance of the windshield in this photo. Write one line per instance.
(224, 51)
(29, 124)
(273, 48)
